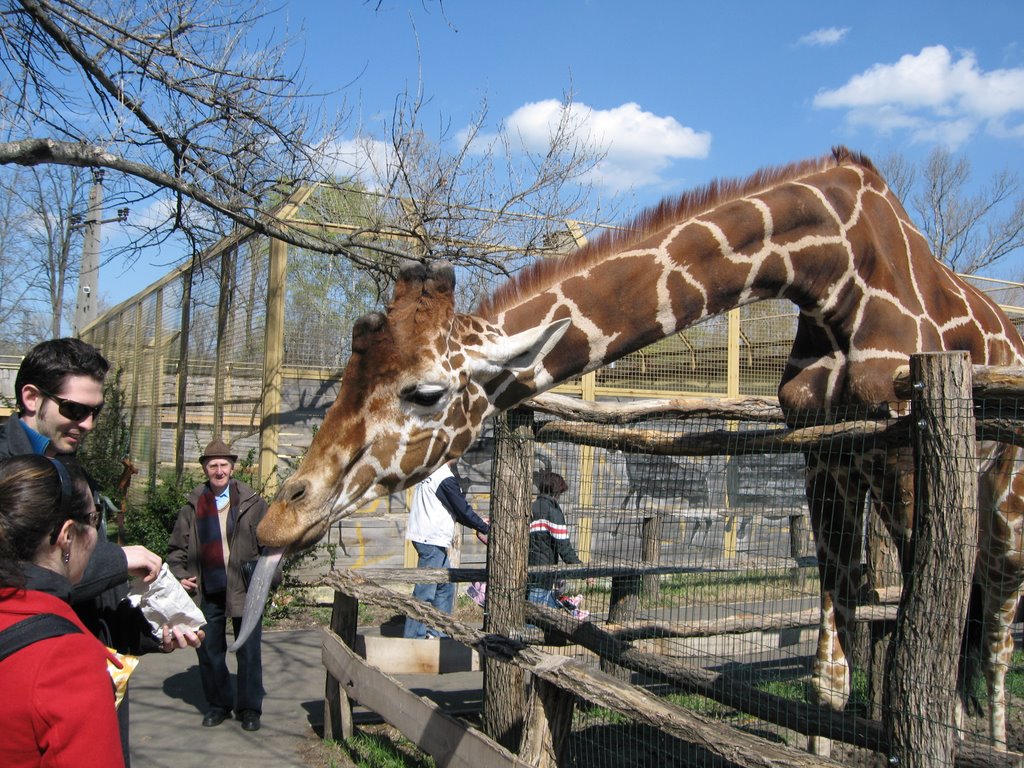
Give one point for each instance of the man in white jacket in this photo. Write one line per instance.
(437, 504)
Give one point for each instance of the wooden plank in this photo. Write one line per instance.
(401, 656)
(450, 742)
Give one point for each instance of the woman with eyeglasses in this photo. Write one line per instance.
(56, 695)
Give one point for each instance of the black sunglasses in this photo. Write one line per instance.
(70, 409)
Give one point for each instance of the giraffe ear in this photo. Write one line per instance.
(524, 350)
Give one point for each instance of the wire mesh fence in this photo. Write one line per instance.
(702, 563)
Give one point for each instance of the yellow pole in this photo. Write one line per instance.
(732, 389)
(273, 365)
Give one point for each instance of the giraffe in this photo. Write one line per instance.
(826, 234)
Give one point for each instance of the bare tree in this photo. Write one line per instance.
(54, 200)
(197, 113)
(970, 232)
(40, 239)
(14, 290)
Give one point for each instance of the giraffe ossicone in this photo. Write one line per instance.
(826, 234)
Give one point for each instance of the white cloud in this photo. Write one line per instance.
(934, 95)
(363, 158)
(824, 37)
(639, 146)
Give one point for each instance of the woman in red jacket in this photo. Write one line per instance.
(56, 696)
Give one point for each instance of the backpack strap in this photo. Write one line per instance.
(27, 631)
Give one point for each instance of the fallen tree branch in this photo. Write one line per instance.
(989, 382)
(845, 437)
(765, 409)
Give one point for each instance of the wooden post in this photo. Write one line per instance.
(798, 549)
(651, 535)
(503, 686)
(622, 608)
(227, 286)
(337, 706)
(919, 704)
(273, 365)
(181, 395)
(548, 725)
(156, 388)
(137, 365)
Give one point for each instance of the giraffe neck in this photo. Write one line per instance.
(741, 251)
(834, 241)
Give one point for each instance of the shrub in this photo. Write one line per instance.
(151, 523)
(107, 445)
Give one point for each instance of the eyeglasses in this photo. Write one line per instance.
(73, 410)
(92, 519)
(95, 518)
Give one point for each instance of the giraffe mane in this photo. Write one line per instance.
(668, 212)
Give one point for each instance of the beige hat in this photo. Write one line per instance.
(217, 449)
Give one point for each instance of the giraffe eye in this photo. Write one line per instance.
(425, 395)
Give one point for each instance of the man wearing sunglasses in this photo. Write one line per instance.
(59, 392)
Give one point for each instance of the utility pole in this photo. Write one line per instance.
(89, 270)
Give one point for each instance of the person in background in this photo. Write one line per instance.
(57, 706)
(211, 548)
(438, 503)
(59, 394)
(549, 538)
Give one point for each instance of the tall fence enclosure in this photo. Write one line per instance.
(683, 629)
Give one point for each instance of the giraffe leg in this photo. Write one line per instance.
(999, 574)
(1000, 652)
(836, 519)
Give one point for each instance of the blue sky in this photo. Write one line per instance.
(678, 92)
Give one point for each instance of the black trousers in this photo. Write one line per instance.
(213, 665)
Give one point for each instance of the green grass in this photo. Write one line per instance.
(378, 750)
(371, 747)
(1015, 677)
(683, 588)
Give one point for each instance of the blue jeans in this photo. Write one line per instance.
(542, 596)
(441, 596)
(213, 666)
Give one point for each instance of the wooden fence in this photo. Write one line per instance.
(535, 730)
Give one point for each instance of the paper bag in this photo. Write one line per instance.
(165, 601)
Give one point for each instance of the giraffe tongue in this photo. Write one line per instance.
(256, 597)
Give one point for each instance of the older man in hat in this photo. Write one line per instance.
(211, 551)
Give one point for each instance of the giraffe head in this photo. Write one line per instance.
(421, 380)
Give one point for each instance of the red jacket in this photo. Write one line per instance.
(56, 696)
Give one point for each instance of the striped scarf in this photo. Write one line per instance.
(211, 548)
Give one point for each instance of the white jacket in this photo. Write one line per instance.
(437, 504)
